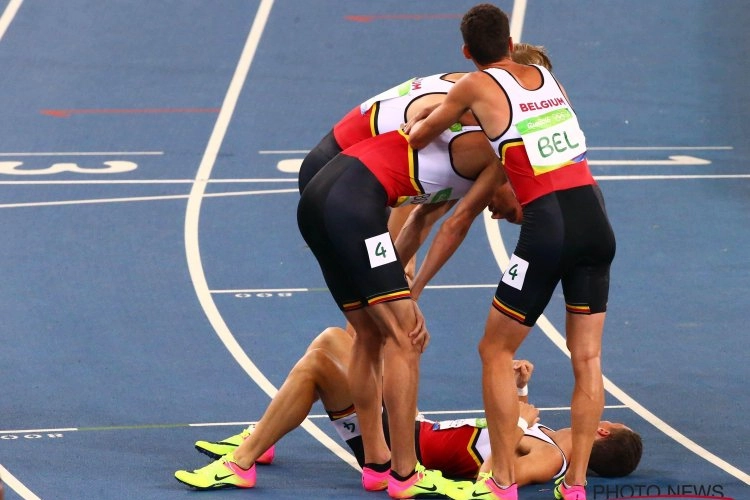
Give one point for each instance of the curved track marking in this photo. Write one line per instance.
(501, 257)
(14, 484)
(192, 217)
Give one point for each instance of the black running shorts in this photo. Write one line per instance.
(343, 217)
(565, 237)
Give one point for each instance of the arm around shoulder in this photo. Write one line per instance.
(449, 112)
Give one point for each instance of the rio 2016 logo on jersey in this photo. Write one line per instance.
(421, 199)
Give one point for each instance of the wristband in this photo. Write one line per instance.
(523, 424)
(523, 391)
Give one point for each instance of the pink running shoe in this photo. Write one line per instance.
(373, 480)
(565, 492)
(267, 456)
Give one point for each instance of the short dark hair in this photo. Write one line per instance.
(616, 455)
(486, 33)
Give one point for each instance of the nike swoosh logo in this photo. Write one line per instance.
(221, 478)
(479, 495)
(431, 488)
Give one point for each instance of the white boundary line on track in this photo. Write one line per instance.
(291, 190)
(516, 19)
(236, 424)
(142, 198)
(660, 148)
(85, 153)
(492, 229)
(14, 484)
(292, 290)
(192, 217)
(589, 148)
(8, 15)
(9, 479)
(630, 177)
(147, 181)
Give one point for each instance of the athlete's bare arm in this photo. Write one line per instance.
(423, 130)
(454, 229)
(417, 227)
(476, 92)
(536, 461)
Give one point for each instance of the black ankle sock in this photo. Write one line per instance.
(379, 467)
(402, 478)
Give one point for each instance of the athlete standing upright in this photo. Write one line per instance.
(565, 237)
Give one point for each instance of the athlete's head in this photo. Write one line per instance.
(486, 33)
(525, 53)
(617, 450)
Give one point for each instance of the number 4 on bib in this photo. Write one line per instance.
(380, 250)
(516, 272)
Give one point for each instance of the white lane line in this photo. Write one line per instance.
(38, 431)
(245, 423)
(146, 181)
(501, 257)
(668, 177)
(284, 151)
(86, 153)
(141, 198)
(590, 148)
(192, 217)
(14, 484)
(292, 290)
(660, 148)
(481, 410)
(267, 290)
(8, 15)
(632, 177)
(672, 160)
(516, 19)
(294, 190)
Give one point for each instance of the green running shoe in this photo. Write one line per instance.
(217, 449)
(456, 489)
(486, 489)
(424, 483)
(223, 473)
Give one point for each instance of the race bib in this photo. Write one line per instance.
(347, 427)
(552, 140)
(479, 423)
(380, 250)
(516, 272)
(421, 199)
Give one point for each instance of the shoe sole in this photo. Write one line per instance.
(216, 456)
(219, 486)
(208, 453)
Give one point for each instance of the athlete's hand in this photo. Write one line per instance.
(528, 412)
(506, 206)
(419, 336)
(418, 117)
(522, 369)
(514, 214)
